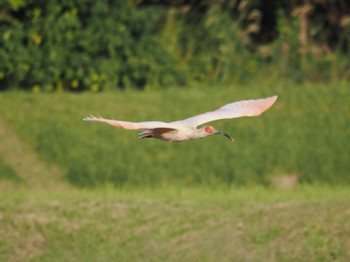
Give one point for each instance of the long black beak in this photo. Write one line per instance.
(224, 134)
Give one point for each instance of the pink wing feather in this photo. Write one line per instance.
(233, 110)
(131, 125)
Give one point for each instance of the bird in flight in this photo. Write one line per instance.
(183, 130)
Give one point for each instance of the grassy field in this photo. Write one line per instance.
(246, 224)
(77, 191)
(303, 135)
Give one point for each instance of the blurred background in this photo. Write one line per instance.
(167, 60)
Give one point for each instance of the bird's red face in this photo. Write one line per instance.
(209, 130)
(212, 131)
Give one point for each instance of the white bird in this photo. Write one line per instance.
(186, 129)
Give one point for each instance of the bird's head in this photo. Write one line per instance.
(210, 130)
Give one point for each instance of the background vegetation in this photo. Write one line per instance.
(245, 49)
(77, 191)
(95, 45)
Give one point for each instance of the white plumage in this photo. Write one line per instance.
(186, 129)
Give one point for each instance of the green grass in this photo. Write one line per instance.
(7, 172)
(304, 134)
(246, 224)
(147, 200)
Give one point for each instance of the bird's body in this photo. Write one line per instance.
(186, 129)
(181, 133)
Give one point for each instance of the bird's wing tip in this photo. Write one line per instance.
(272, 98)
(90, 118)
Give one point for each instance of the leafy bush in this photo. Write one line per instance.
(98, 45)
(82, 44)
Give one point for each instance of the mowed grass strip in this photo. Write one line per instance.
(242, 224)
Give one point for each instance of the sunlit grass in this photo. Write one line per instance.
(205, 200)
(244, 224)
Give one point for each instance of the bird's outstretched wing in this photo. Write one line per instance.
(132, 125)
(233, 110)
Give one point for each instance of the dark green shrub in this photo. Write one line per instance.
(95, 45)
(82, 45)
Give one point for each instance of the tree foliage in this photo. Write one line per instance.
(95, 45)
(81, 44)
